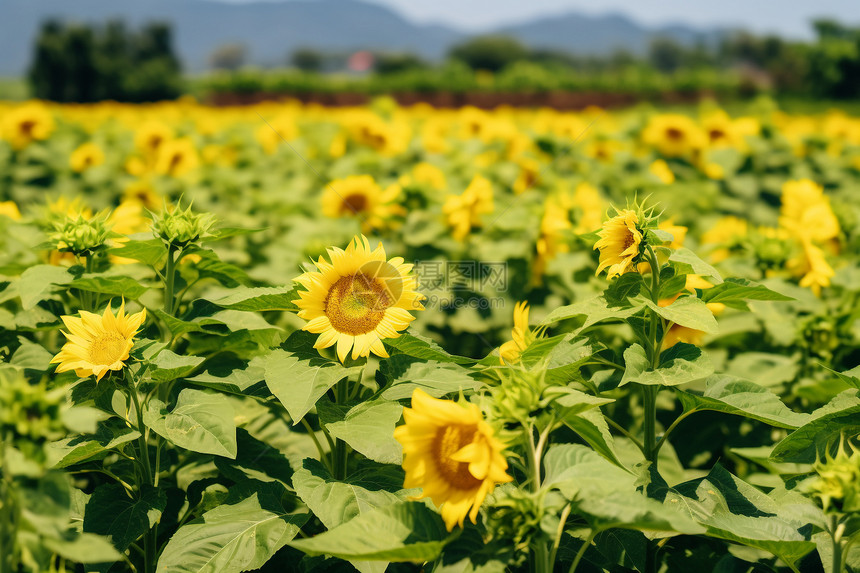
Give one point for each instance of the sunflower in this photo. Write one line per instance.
(97, 344)
(619, 243)
(528, 177)
(362, 197)
(555, 228)
(28, 123)
(510, 351)
(428, 174)
(358, 299)
(451, 453)
(271, 134)
(86, 156)
(661, 170)
(150, 136)
(10, 209)
(806, 211)
(464, 211)
(177, 157)
(674, 135)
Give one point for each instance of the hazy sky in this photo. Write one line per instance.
(788, 17)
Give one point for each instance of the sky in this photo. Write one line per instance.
(786, 17)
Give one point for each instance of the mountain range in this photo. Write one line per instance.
(273, 29)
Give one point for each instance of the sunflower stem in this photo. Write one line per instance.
(169, 278)
(836, 531)
(150, 538)
(581, 553)
(340, 459)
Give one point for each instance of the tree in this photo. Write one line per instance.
(228, 57)
(394, 63)
(307, 59)
(665, 54)
(490, 53)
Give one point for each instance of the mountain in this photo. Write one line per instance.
(273, 29)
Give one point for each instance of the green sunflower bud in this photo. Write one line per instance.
(31, 414)
(836, 484)
(80, 236)
(181, 227)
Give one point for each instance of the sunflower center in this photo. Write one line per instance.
(27, 127)
(356, 304)
(175, 161)
(716, 134)
(629, 240)
(108, 348)
(355, 203)
(448, 441)
(674, 134)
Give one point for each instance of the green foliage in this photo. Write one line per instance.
(79, 63)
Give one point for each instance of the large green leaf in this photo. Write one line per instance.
(259, 299)
(592, 427)
(734, 290)
(255, 460)
(126, 287)
(686, 311)
(300, 382)
(680, 364)
(607, 493)
(38, 281)
(733, 510)
(841, 417)
(237, 377)
(110, 434)
(201, 422)
(149, 251)
(336, 502)
(732, 395)
(82, 548)
(424, 348)
(112, 511)
(406, 373)
(595, 310)
(405, 531)
(168, 365)
(689, 263)
(369, 429)
(234, 537)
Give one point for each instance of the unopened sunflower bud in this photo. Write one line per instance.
(80, 236)
(179, 228)
(836, 484)
(30, 413)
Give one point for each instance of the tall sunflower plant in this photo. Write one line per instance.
(218, 442)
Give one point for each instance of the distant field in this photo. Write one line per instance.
(13, 89)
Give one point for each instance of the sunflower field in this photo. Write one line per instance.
(285, 337)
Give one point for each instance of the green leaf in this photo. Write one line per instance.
(687, 262)
(260, 299)
(110, 285)
(369, 429)
(569, 401)
(841, 417)
(255, 460)
(595, 310)
(680, 364)
(733, 510)
(83, 548)
(233, 537)
(406, 373)
(608, 493)
(38, 281)
(592, 427)
(424, 348)
(299, 382)
(406, 531)
(70, 451)
(335, 502)
(151, 252)
(686, 311)
(201, 422)
(168, 366)
(850, 377)
(246, 380)
(732, 395)
(620, 289)
(212, 267)
(736, 289)
(112, 512)
(31, 356)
